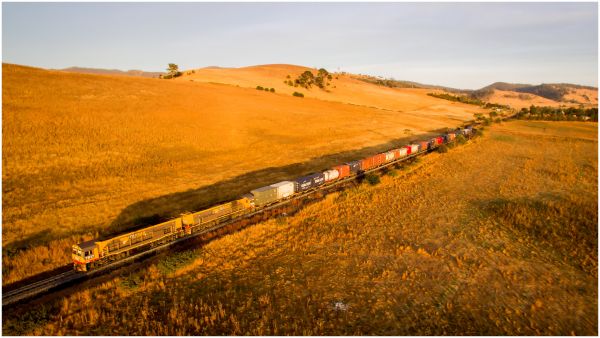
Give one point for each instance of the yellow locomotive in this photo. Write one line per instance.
(94, 253)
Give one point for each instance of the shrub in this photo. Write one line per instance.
(272, 90)
(392, 173)
(372, 179)
(460, 139)
(259, 88)
(298, 94)
(442, 148)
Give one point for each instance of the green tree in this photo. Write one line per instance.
(173, 71)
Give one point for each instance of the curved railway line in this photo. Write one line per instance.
(64, 279)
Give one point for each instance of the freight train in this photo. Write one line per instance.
(91, 254)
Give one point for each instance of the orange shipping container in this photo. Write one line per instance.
(378, 159)
(343, 169)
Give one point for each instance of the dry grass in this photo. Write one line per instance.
(498, 237)
(88, 154)
(586, 97)
(344, 88)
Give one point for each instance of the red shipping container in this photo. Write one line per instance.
(407, 150)
(343, 169)
(366, 163)
(440, 140)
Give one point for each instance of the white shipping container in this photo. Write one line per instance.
(414, 148)
(389, 156)
(331, 174)
(403, 152)
(284, 189)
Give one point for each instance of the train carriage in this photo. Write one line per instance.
(194, 222)
(390, 156)
(343, 170)
(355, 166)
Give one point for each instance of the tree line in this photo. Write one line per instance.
(467, 100)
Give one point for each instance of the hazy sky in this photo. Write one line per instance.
(463, 45)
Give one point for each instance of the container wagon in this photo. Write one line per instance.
(264, 195)
(355, 166)
(308, 182)
(331, 175)
(343, 170)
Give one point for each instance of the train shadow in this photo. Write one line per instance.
(152, 211)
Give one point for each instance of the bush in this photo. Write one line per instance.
(272, 90)
(392, 173)
(442, 148)
(298, 94)
(259, 88)
(372, 179)
(460, 139)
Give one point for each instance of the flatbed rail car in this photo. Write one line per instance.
(93, 253)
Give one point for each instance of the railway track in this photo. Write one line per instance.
(64, 279)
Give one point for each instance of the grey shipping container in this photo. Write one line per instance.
(354, 166)
(264, 195)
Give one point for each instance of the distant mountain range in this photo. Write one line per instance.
(132, 72)
(551, 91)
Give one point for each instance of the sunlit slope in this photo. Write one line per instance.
(79, 150)
(344, 88)
(517, 100)
(584, 96)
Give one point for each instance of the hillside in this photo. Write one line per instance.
(87, 155)
(498, 237)
(132, 72)
(524, 95)
(344, 88)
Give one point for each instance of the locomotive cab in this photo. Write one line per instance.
(84, 254)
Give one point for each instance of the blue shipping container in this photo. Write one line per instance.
(307, 182)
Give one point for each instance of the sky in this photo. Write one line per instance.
(460, 45)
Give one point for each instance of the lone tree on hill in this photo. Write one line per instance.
(173, 71)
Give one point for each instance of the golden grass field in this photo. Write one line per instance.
(496, 237)
(88, 155)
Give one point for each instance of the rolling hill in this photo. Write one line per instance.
(344, 88)
(524, 95)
